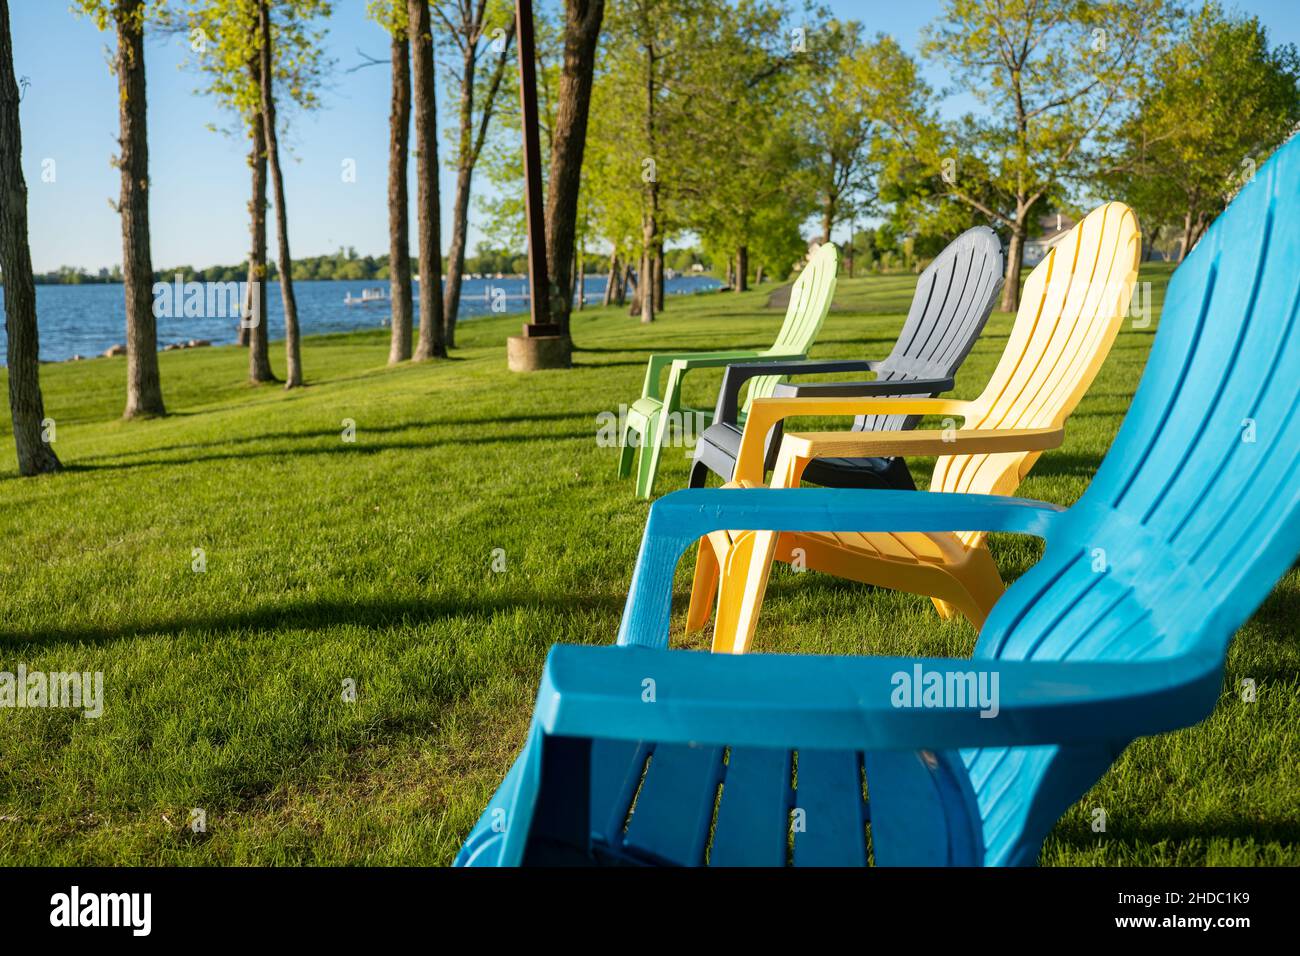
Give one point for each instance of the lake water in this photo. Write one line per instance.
(87, 319)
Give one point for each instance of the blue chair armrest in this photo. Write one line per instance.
(864, 703)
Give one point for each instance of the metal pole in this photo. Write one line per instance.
(534, 208)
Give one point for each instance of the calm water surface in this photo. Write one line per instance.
(87, 319)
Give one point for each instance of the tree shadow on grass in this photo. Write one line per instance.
(634, 363)
(363, 430)
(95, 463)
(375, 615)
(341, 449)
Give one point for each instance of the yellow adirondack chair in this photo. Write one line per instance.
(1070, 312)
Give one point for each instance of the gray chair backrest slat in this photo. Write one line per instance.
(954, 298)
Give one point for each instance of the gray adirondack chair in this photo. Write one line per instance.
(953, 299)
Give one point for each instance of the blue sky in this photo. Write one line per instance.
(200, 179)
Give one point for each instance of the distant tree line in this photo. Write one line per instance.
(346, 264)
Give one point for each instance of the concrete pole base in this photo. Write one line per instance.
(531, 352)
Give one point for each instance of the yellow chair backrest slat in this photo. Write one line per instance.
(1071, 309)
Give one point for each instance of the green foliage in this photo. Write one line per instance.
(389, 14)
(1219, 102)
(488, 260)
(1052, 78)
(834, 117)
(224, 43)
(740, 169)
(107, 13)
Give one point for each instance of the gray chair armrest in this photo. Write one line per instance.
(728, 407)
(914, 386)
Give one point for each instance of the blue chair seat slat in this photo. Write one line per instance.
(753, 823)
(616, 768)
(670, 821)
(828, 789)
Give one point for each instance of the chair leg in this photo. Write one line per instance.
(627, 451)
(704, 586)
(742, 588)
(979, 578)
(699, 474)
(946, 611)
(655, 434)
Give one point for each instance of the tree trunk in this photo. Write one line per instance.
(428, 206)
(645, 285)
(1186, 245)
(143, 384)
(828, 219)
(635, 279)
(399, 230)
(1198, 229)
(1015, 253)
(246, 309)
(611, 280)
(580, 265)
(460, 205)
(625, 280)
(259, 352)
(27, 408)
(469, 148)
(742, 269)
(582, 20)
(650, 199)
(572, 290)
(659, 277)
(758, 276)
(292, 344)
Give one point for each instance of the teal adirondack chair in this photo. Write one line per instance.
(650, 416)
(1121, 629)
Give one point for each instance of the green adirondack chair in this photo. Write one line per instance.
(650, 416)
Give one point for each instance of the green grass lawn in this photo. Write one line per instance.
(371, 561)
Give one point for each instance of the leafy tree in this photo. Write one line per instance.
(226, 38)
(392, 16)
(128, 17)
(744, 177)
(1220, 102)
(836, 122)
(428, 207)
(1052, 77)
(297, 17)
(655, 39)
(478, 31)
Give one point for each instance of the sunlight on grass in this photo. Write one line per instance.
(330, 560)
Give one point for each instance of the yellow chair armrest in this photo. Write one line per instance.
(975, 441)
(766, 412)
